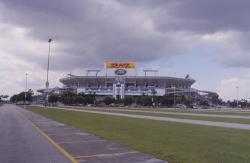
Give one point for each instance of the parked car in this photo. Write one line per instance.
(181, 106)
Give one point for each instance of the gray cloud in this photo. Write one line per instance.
(206, 16)
(90, 32)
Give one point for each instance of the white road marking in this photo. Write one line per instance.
(75, 142)
(107, 155)
(76, 133)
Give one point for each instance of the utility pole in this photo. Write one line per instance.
(174, 90)
(174, 98)
(25, 93)
(47, 81)
(237, 96)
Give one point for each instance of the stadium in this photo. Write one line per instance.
(120, 80)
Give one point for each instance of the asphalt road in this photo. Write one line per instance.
(22, 143)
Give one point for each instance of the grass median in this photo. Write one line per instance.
(204, 111)
(174, 142)
(197, 117)
(244, 112)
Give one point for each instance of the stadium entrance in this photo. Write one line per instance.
(119, 88)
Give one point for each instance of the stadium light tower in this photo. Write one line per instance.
(149, 70)
(47, 81)
(94, 71)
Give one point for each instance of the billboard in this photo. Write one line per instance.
(121, 65)
(121, 68)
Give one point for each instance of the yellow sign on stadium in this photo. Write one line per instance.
(122, 65)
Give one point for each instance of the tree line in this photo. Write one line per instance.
(69, 98)
(20, 97)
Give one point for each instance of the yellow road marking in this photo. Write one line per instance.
(87, 141)
(107, 155)
(64, 152)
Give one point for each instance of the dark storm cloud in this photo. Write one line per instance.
(92, 31)
(197, 15)
(89, 31)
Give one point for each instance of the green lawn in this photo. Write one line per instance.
(217, 119)
(204, 111)
(230, 112)
(223, 112)
(174, 142)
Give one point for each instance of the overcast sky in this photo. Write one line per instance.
(208, 39)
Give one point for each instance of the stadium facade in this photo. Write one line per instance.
(121, 79)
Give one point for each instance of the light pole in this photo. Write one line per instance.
(25, 93)
(246, 100)
(47, 81)
(174, 98)
(174, 90)
(237, 95)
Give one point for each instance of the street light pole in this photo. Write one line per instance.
(174, 90)
(47, 81)
(237, 97)
(174, 98)
(25, 93)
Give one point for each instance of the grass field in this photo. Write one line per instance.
(200, 111)
(216, 119)
(222, 112)
(174, 142)
(204, 111)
